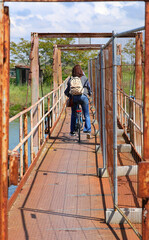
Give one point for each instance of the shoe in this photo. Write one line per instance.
(88, 135)
(72, 134)
(87, 132)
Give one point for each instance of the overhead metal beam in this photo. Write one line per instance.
(79, 49)
(78, 45)
(75, 35)
(82, 35)
(75, 1)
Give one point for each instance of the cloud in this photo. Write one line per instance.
(24, 12)
(74, 17)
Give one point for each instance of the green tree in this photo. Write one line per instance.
(19, 52)
(129, 51)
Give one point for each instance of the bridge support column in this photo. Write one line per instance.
(55, 80)
(145, 210)
(4, 117)
(59, 68)
(138, 90)
(102, 91)
(35, 84)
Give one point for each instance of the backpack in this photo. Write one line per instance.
(76, 87)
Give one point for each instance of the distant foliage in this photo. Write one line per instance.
(19, 54)
(129, 52)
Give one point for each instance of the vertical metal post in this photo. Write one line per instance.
(59, 68)
(89, 71)
(55, 79)
(99, 91)
(4, 117)
(25, 129)
(91, 77)
(32, 150)
(125, 108)
(103, 110)
(59, 104)
(114, 119)
(95, 88)
(93, 80)
(145, 210)
(49, 116)
(21, 148)
(43, 122)
(35, 83)
(39, 127)
(138, 88)
(119, 75)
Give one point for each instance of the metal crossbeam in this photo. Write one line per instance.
(74, 35)
(80, 49)
(79, 45)
(75, 0)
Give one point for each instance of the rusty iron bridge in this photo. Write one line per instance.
(60, 188)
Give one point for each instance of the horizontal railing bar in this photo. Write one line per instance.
(131, 99)
(39, 101)
(125, 34)
(128, 117)
(130, 31)
(31, 132)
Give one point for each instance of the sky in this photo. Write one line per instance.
(74, 17)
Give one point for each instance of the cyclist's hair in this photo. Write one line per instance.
(77, 71)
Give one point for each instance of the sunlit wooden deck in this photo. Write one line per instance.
(63, 197)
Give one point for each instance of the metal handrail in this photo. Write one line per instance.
(34, 105)
(53, 112)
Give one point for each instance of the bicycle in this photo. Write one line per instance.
(79, 121)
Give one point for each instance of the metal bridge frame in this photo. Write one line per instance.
(4, 110)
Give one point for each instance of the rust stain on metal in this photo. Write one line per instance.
(74, 35)
(25, 129)
(145, 203)
(78, 45)
(73, 0)
(35, 83)
(4, 117)
(1, 83)
(138, 89)
(80, 49)
(13, 168)
(143, 180)
(146, 87)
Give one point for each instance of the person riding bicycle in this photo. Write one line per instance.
(81, 98)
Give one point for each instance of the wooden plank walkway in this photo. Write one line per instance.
(63, 198)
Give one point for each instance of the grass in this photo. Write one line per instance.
(19, 98)
(127, 79)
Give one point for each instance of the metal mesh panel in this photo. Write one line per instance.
(118, 59)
